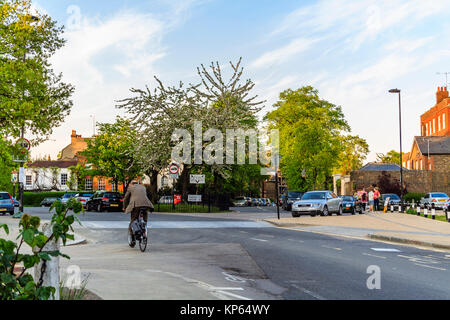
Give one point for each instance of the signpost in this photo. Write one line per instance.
(197, 179)
(174, 170)
(24, 146)
(194, 198)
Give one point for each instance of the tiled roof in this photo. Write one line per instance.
(438, 145)
(55, 164)
(373, 166)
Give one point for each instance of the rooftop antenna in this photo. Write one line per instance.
(446, 77)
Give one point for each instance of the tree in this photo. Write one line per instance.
(32, 96)
(390, 157)
(354, 152)
(111, 152)
(216, 102)
(6, 165)
(310, 137)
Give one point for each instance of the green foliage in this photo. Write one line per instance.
(354, 152)
(34, 199)
(73, 293)
(111, 152)
(410, 196)
(310, 137)
(22, 286)
(31, 94)
(390, 157)
(6, 165)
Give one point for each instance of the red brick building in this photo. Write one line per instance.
(431, 150)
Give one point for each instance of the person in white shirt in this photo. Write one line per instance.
(371, 200)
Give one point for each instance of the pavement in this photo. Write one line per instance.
(391, 227)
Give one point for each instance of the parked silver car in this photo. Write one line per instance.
(240, 202)
(436, 199)
(317, 202)
(83, 197)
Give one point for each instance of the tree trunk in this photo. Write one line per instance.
(185, 181)
(153, 175)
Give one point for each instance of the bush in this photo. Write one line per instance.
(34, 199)
(410, 196)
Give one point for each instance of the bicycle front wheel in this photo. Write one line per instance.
(143, 243)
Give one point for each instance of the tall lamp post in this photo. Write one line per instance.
(401, 153)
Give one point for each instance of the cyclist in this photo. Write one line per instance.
(136, 199)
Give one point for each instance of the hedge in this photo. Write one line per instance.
(410, 196)
(34, 199)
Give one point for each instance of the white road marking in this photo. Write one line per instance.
(372, 255)
(266, 235)
(419, 259)
(423, 265)
(217, 291)
(243, 231)
(338, 249)
(294, 240)
(312, 294)
(259, 239)
(233, 295)
(385, 250)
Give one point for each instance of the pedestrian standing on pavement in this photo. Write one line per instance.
(363, 198)
(376, 199)
(371, 200)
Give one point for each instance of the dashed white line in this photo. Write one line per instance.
(312, 294)
(385, 250)
(256, 239)
(423, 265)
(372, 255)
(338, 249)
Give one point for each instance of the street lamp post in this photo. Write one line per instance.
(401, 153)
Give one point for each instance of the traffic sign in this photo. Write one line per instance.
(174, 170)
(24, 145)
(197, 178)
(194, 198)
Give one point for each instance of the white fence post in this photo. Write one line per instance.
(50, 278)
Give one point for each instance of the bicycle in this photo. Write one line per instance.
(139, 229)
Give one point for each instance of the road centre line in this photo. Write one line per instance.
(423, 265)
(312, 294)
(338, 249)
(259, 239)
(372, 255)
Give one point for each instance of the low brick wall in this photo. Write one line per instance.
(420, 181)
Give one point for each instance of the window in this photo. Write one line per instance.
(421, 164)
(443, 121)
(63, 179)
(28, 180)
(427, 132)
(88, 184)
(164, 181)
(439, 123)
(101, 184)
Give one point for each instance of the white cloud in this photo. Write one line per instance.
(282, 54)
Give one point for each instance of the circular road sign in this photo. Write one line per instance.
(173, 169)
(24, 144)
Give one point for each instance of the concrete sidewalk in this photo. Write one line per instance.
(393, 227)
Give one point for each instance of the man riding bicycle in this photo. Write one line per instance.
(135, 200)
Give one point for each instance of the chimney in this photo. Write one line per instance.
(441, 94)
(74, 136)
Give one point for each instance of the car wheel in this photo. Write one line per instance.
(339, 213)
(325, 212)
(353, 211)
(295, 215)
(99, 208)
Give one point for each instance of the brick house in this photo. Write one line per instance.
(431, 150)
(427, 165)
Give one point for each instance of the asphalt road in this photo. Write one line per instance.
(306, 265)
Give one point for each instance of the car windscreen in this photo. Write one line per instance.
(439, 195)
(239, 198)
(314, 196)
(347, 198)
(393, 196)
(69, 195)
(4, 196)
(85, 195)
(294, 194)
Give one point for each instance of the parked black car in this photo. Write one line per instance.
(351, 205)
(290, 197)
(105, 201)
(47, 202)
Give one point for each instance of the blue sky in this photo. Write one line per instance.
(353, 52)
